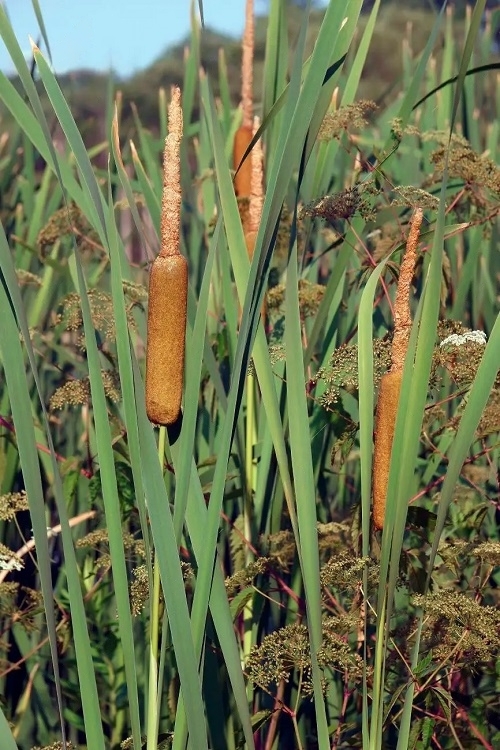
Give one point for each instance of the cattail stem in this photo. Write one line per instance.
(154, 634)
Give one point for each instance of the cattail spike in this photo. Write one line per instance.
(168, 285)
(256, 184)
(390, 384)
(402, 313)
(171, 198)
(385, 422)
(247, 66)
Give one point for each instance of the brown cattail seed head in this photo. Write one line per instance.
(243, 177)
(168, 284)
(390, 385)
(385, 421)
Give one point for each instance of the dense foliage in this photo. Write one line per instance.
(220, 583)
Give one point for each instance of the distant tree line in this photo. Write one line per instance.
(426, 4)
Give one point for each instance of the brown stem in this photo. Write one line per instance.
(273, 724)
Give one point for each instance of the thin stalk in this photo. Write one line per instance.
(248, 514)
(378, 682)
(154, 632)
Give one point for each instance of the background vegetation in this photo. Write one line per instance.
(284, 619)
(381, 78)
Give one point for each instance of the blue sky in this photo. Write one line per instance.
(125, 34)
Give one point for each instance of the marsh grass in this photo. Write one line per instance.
(283, 620)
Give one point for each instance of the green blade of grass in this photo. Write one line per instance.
(41, 26)
(6, 733)
(304, 486)
(191, 69)
(275, 69)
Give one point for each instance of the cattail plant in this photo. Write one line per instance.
(168, 283)
(251, 226)
(390, 384)
(244, 134)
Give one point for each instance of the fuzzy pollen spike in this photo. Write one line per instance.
(390, 384)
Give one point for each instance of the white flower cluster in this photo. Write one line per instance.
(10, 563)
(477, 337)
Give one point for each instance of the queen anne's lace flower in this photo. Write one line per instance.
(455, 339)
(10, 563)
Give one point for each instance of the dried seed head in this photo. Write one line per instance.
(168, 285)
